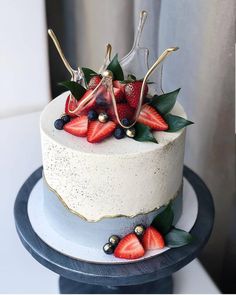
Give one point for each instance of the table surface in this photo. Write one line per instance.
(20, 157)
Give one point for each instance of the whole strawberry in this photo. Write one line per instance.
(94, 81)
(119, 85)
(124, 111)
(132, 92)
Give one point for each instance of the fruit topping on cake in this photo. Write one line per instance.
(70, 105)
(58, 124)
(66, 118)
(121, 102)
(133, 91)
(77, 126)
(98, 131)
(152, 239)
(150, 117)
(94, 81)
(119, 133)
(124, 111)
(161, 233)
(129, 248)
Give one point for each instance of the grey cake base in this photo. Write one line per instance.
(96, 234)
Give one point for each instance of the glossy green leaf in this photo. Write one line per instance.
(164, 103)
(88, 73)
(176, 123)
(177, 238)
(163, 221)
(143, 133)
(116, 68)
(76, 89)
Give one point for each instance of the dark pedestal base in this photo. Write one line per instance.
(125, 276)
(162, 286)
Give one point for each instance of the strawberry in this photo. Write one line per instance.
(132, 92)
(129, 247)
(94, 81)
(152, 239)
(91, 104)
(78, 126)
(119, 95)
(97, 131)
(71, 104)
(150, 117)
(124, 111)
(119, 85)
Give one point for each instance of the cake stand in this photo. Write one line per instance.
(150, 276)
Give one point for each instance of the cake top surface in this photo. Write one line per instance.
(110, 146)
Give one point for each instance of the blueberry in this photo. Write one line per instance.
(66, 118)
(125, 122)
(58, 124)
(101, 101)
(92, 115)
(119, 133)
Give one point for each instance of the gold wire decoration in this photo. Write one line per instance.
(58, 47)
(76, 75)
(107, 58)
(160, 59)
(107, 81)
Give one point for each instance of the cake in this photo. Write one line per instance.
(111, 168)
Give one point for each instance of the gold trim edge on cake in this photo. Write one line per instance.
(106, 216)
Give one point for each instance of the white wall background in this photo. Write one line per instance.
(24, 75)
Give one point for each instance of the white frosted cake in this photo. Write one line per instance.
(113, 151)
(112, 178)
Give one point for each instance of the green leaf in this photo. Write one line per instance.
(164, 103)
(76, 89)
(116, 68)
(163, 221)
(176, 123)
(143, 133)
(177, 238)
(88, 73)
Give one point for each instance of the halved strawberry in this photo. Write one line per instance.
(129, 247)
(124, 111)
(94, 81)
(152, 239)
(91, 104)
(150, 117)
(97, 131)
(132, 92)
(78, 126)
(70, 104)
(119, 85)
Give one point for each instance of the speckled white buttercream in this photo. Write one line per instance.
(114, 177)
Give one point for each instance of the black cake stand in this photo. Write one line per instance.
(150, 276)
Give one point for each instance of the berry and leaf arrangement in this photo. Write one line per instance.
(161, 233)
(108, 104)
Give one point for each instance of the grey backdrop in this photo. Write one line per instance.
(203, 68)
